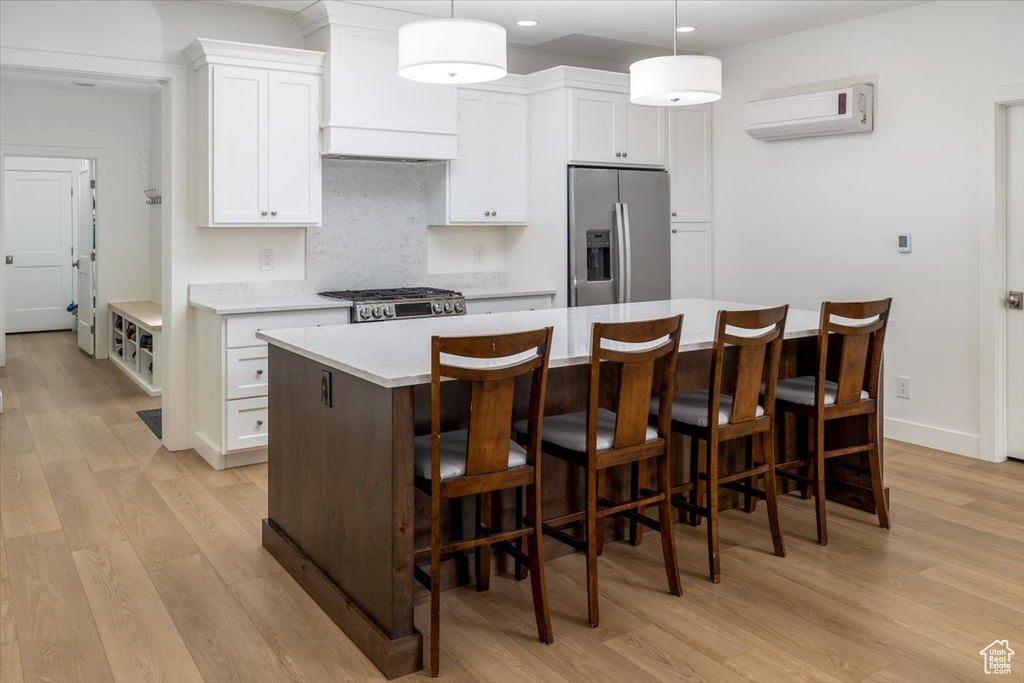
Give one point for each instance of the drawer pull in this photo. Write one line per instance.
(259, 423)
(259, 372)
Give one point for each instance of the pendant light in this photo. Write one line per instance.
(676, 80)
(451, 50)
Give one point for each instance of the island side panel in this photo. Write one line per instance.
(336, 494)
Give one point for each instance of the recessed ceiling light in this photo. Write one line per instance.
(527, 22)
(686, 29)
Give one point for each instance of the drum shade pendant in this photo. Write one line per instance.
(451, 50)
(677, 80)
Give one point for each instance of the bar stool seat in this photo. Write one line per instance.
(691, 407)
(570, 430)
(800, 390)
(453, 454)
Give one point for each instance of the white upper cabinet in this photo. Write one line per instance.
(690, 164)
(256, 157)
(604, 128)
(487, 183)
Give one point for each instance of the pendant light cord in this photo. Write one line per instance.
(675, 25)
(453, 9)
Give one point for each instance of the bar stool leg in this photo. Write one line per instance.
(876, 473)
(602, 492)
(520, 568)
(639, 478)
(819, 479)
(668, 542)
(808, 456)
(538, 583)
(435, 584)
(592, 525)
(748, 460)
(483, 553)
(771, 495)
(714, 563)
(696, 499)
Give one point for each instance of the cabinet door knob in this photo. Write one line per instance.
(494, 213)
(260, 371)
(618, 154)
(263, 213)
(673, 213)
(259, 423)
(625, 154)
(674, 230)
(487, 213)
(273, 213)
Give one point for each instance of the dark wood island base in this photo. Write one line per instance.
(344, 515)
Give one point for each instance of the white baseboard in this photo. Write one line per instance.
(209, 452)
(935, 437)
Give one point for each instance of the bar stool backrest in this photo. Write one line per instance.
(659, 340)
(492, 391)
(757, 360)
(855, 345)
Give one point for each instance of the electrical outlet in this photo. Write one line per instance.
(902, 387)
(478, 255)
(266, 259)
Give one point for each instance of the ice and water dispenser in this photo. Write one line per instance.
(599, 255)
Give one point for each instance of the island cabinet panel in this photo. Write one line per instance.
(340, 503)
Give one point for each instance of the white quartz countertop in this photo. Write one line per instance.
(504, 292)
(226, 303)
(397, 353)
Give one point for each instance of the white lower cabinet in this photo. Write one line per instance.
(691, 261)
(229, 421)
(508, 304)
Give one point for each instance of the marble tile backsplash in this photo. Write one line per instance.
(374, 231)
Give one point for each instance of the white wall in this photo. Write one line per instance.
(116, 126)
(805, 220)
(155, 182)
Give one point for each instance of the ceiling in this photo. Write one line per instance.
(620, 30)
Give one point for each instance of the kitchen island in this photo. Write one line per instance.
(346, 403)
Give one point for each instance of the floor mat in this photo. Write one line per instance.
(153, 420)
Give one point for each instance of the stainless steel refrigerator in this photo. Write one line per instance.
(619, 249)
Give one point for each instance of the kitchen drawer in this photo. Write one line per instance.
(242, 328)
(519, 303)
(247, 423)
(247, 372)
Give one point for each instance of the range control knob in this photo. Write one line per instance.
(458, 307)
(437, 308)
(389, 312)
(377, 313)
(447, 306)
(364, 313)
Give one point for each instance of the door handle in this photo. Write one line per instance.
(1015, 300)
(628, 256)
(620, 272)
(9, 260)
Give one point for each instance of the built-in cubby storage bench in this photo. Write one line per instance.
(228, 421)
(135, 328)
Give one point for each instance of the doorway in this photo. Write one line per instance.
(1014, 250)
(49, 214)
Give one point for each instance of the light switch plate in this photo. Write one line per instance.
(903, 243)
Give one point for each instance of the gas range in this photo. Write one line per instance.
(378, 305)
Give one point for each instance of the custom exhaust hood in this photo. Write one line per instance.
(368, 110)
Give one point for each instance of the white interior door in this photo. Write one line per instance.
(38, 210)
(84, 261)
(1015, 280)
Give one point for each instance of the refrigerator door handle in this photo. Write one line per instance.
(620, 271)
(628, 256)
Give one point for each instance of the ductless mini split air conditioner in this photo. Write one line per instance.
(830, 112)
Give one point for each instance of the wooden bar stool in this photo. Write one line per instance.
(601, 438)
(482, 458)
(715, 417)
(846, 384)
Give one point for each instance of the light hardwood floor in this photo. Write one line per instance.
(122, 561)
